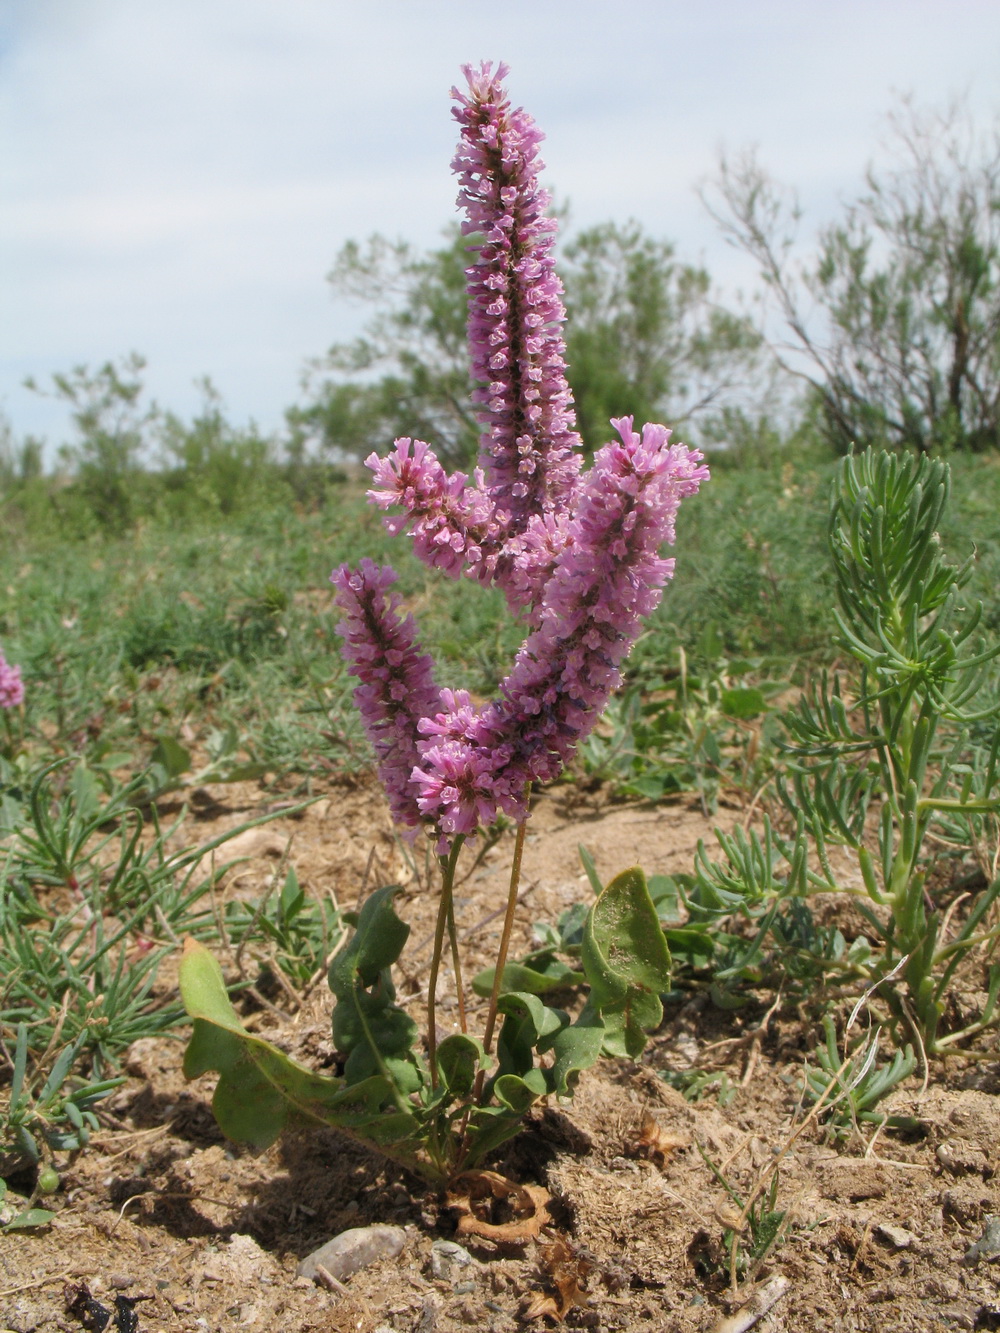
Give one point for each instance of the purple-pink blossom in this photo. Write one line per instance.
(11, 684)
(448, 519)
(497, 529)
(529, 447)
(608, 576)
(396, 680)
(577, 554)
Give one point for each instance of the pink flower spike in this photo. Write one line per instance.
(604, 574)
(515, 340)
(579, 555)
(396, 687)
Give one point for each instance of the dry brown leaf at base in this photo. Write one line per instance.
(655, 1142)
(480, 1196)
(566, 1268)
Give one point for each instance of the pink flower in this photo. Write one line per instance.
(497, 529)
(397, 681)
(11, 684)
(529, 448)
(607, 577)
(578, 554)
(449, 520)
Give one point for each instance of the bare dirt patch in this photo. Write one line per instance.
(160, 1206)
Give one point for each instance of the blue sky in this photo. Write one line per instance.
(176, 176)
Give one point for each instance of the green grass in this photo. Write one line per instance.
(184, 626)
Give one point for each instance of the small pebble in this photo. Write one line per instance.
(898, 1237)
(987, 1246)
(446, 1256)
(353, 1250)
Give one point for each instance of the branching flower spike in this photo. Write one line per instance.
(577, 553)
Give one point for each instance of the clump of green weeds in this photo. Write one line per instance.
(92, 899)
(296, 933)
(694, 1084)
(897, 762)
(51, 1109)
(756, 1230)
(849, 1087)
(688, 730)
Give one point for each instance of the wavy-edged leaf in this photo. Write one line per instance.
(551, 975)
(575, 1048)
(528, 1026)
(459, 1059)
(376, 1035)
(627, 962)
(374, 946)
(490, 1126)
(260, 1090)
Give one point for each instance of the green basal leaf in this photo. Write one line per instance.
(652, 786)
(459, 1059)
(260, 1090)
(587, 862)
(490, 1126)
(517, 1094)
(693, 943)
(627, 963)
(375, 945)
(528, 1026)
(31, 1217)
(292, 896)
(743, 702)
(171, 756)
(666, 897)
(528, 976)
(575, 1048)
(375, 1034)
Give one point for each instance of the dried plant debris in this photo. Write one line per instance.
(566, 1268)
(760, 1303)
(495, 1208)
(655, 1143)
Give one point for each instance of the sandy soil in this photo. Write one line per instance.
(161, 1207)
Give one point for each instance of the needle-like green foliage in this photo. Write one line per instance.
(903, 748)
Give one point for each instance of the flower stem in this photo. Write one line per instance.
(445, 911)
(508, 925)
(456, 963)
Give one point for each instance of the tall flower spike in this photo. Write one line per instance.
(529, 447)
(579, 554)
(502, 528)
(397, 681)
